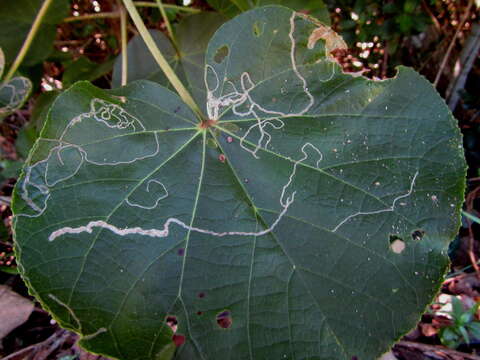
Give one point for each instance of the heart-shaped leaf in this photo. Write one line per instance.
(306, 218)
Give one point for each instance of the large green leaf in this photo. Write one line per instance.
(307, 218)
(192, 34)
(17, 17)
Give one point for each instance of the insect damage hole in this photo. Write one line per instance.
(224, 319)
(172, 322)
(258, 28)
(397, 245)
(221, 54)
(418, 234)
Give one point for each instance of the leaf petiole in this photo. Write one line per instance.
(160, 59)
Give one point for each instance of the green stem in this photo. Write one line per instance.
(166, 6)
(103, 15)
(123, 32)
(160, 59)
(167, 22)
(235, 2)
(28, 41)
(114, 14)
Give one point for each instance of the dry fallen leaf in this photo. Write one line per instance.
(14, 310)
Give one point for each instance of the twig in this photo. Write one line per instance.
(385, 62)
(57, 339)
(102, 15)
(471, 239)
(5, 200)
(167, 6)
(467, 59)
(452, 43)
(435, 21)
(28, 40)
(116, 14)
(436, 349)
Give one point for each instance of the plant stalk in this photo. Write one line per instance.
(123, 34)
(160, 59)
(28, 41)
(166, 6)
(166, 21)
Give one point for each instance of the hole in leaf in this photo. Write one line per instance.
(178, 339)
(221, 54)
(257, 29)
(172, 322)
(224, 319)
(397, 245)
(418, 235)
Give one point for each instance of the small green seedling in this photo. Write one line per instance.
(464, 325)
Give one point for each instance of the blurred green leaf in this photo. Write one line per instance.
(474, 328)
(315, 8)
(405, 22)
(457, 308)
(84, 69)
(16, 18)
(13, 95)
(9, 270)
(10, 169)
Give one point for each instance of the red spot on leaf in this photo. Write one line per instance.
(178, 339)
(224, 319)
(222, 158)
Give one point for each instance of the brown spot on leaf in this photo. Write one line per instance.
(333, 41)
